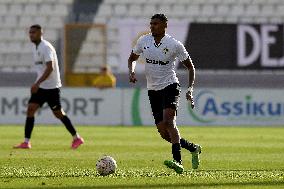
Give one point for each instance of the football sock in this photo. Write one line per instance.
(76, 136)
(187, 145)
(66, 121)
(176, 151)
(27, 140)
(29, 127)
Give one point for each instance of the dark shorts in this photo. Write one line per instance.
(51, 96)
(162, 99)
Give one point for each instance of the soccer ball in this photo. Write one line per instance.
(106, 165)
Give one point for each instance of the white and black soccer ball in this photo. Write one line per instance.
(106, 165)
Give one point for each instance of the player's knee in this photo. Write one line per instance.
(58, 114)
(164, 134)
(31, 111)
(169, 121)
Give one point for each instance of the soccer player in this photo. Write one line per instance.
(160, 51)
(46, 88)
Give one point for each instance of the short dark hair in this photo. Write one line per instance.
(36, 26)
(161, 17)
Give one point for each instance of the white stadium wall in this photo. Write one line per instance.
(131, 107)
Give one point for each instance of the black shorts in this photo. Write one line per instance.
(162, 99)
(51, 96)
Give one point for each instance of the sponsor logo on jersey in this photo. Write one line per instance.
(165, 50)
(149, 61)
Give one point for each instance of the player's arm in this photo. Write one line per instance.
(191, 78)
(45, 75)
(131, 67)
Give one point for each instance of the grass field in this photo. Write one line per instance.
(232, 157)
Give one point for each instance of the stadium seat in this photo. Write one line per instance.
(45, 9)
(149, 10)
(113, 49)
(110, 1)
(20, 34)
(222, 10)
(100, 19)
(166, 9)
(193, 10)
(120, 10)
(35, 1)
(60, 10)
(42, 20)
(178, 10)
(276, 20)
(16, 9)
(229, 2)
(280, 11)
(268, 10)
(216, 19)
(252, 10)
(260, 20)
(31, 10)
(105, 10)
(3, 9)
(50, 35)
(135, 10)
(11, 60)
(5, 34)
(3, 48)
(207, 10)
(95, 35)
(14, 47)
(10, 22)
(26, 21)
(113, 60)
(55, 22)
(26, 59)
(237, 10)
(87, 48)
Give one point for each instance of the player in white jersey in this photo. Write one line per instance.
(46, 88)
(160, 52)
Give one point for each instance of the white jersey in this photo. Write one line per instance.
(160, 59)
(42, 54)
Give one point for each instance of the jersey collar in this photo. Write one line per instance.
(161, 42)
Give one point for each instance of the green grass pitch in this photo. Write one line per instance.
(232, 157)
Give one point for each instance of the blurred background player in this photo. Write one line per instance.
(46, 88)
(160, 52)
(105, 79)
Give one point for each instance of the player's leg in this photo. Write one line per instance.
(35, 102)
(170, 122)
(29, 125)
(55, 105)
(171, 106)
(156, 102)
(162, 129)
(173, 132)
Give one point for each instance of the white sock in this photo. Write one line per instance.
(76, 136)
(27, 140)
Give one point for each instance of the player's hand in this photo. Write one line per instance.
(132, 78)
(189, 96)
(34, 88)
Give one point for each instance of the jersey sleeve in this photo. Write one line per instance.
(138, 48)
(182, 53)
(48, 55)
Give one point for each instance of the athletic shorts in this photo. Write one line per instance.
(51, 96)
(162, 99)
